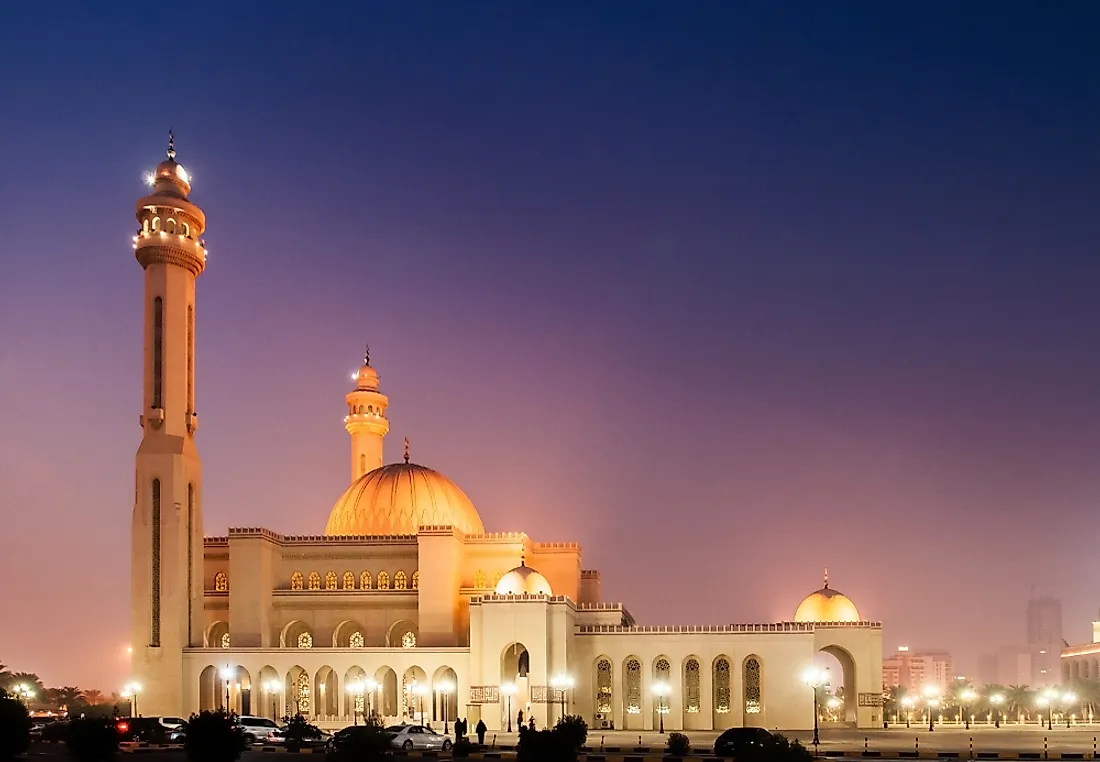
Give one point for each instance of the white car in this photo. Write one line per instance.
(259, 728)
(408, 737)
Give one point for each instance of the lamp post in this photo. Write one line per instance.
(1067, 701)
(907, 702)
(967, 696)
(371, 685)
(421, 691)
(561, 683)
(661, 689)
(996, 700)
(227, 675)
(271, 687)
(130, 691)
(1050, 695)
(24, 692)
(509, 690)
(932, 695)
(355, 690)
(815, 677)
(445, 688)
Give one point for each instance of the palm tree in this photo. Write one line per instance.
(93, 697)
(1088, 697)
(30, 680)
(1020, 699)
(70, 697)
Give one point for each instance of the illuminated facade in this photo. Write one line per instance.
(406, 606)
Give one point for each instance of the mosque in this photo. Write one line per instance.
(406, 606)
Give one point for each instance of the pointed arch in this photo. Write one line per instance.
(364, 581)
(330, 580)
(479, 579)
(400, 581)
(722, 693)
(349, 581)
(314, 581)
(752, 683)
(221, 582)
(692, 692)
(416, 580)
(632, 693)
(296, 580)
(604, 683)
(383, 581)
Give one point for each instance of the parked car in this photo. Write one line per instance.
(345, 739)
(736, 740)
(257, 728)
(314, 736)
(417, 737)
(148, 729)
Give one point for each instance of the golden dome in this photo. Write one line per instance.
(399, 499)
(523, 579)
(827, 605)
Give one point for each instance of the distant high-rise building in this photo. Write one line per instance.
(1044, 639)
(913, 671)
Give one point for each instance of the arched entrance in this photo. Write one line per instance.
(327, 693)
(417, 694)
(839, 702)
(208, 689)
(267, 702)
(515, 668)
(444, 695)
(298, 692)
(385, 701)
(662, 677)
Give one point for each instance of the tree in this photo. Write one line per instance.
(214, 737)
(28, 679)
(93, 697)
(92, 739)
(70, 697)
(1020, 699)
(15, 727)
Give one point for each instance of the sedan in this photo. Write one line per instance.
(417, 737)
(736, 740)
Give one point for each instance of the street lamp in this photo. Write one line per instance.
(932, 695)
(907, 702)
(421, 691)
(24, 692)
(371, 685)
(561, 683)
(815, 677)
(967, 696)
(130, 691)
(1067, 701)
(661, 689)
(996, 700)
(355, 690)
(1049, 696)
(271, 687)
(509, 690)
(227, 675)
(445, 687)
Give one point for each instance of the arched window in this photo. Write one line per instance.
(661, 670)
(479, 579)
(722, 686)
(302, 689)
(753, 697)
(691, 686)
(296, 581)
(364, 581)
(169, 225)
(633, 687)
(314, 581)
(156, 224)
(603, 686)
(305, 640)
(370, 409)
(400, 581)
(356, 640)
(383, 581)
(154, 634)
(330, 581)
(496, 578)
(221, 583)
(187, 230)
(158, 352)
(145, 226)
(416, 580)
(408, 640)
(362, 464)
(349, 581)
(225, 640)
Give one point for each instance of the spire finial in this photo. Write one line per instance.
(523, 558)
(366, 355)
(406, 449)
(826, 578)
(171, 144)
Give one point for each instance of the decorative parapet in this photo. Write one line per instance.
(215, 542)
(440, 529)
(556, 546)
(1088, 649)
(590, 574)
(627, 618)
(498, 537)
(523, 597)
(349, 539)
(741, 629)
(254, 532)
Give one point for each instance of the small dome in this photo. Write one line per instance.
(399, 499)
(827, 605)
(523, 579)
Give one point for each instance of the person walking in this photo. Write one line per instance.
(481, 732)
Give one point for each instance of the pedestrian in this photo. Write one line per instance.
(481, 732)
(531, 724)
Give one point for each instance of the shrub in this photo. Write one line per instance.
(91, 739)
(679, 745)
(213, 737)
(15, 727)
(462, 748)
(545, 746)
(573, 729)
(298, 731)
(778, 749)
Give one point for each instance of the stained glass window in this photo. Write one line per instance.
(296, 581)
(691, 686)
(722, 686)
(633, 686)
(603, 686)
(752, 685)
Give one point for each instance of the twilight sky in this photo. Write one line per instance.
(726, 292)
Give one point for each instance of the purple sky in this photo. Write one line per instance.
(726, 293)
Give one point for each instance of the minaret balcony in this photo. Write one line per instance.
(170, 248)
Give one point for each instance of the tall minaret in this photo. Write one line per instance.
(366, 420)
(167, 548)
